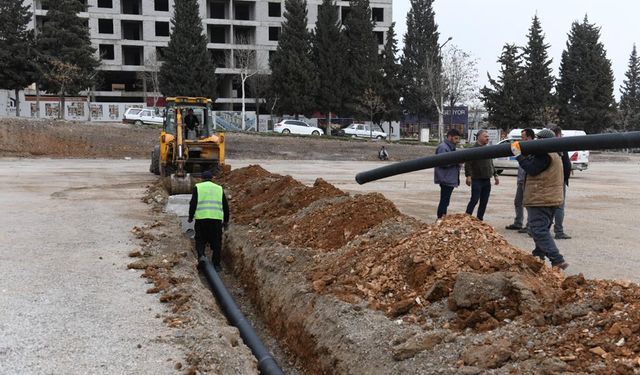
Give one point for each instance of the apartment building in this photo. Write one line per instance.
(130, 36)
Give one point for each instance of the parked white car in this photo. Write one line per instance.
(579, 159)
(296, 127)
(140, 116)
(363, 131)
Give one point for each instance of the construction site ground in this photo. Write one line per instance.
(347, 278)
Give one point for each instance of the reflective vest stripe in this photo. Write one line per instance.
(209, 201)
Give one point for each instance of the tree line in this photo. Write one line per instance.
(526, 94)
(338, 67)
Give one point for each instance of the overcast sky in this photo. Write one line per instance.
(482, 27)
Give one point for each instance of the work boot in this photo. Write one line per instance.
(562, 236)
(513, 227)
(561, 265)
(523, 230)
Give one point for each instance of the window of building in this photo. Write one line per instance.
(130, 7)
(132, 55)
(217, 34)
(161, 5)
(244, 35)
(162, 28)
(106, 52)
(105, 26)
(380, 37)
(274, 33)
(131, 30)
(377, 14)
(344, 13)
(243, 11)
(275, 9)
(160, 53)
(217, 10)
(219, 57)
(271, 54)
(105, 4)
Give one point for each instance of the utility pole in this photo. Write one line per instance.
(441, 93)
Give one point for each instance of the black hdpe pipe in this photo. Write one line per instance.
(266, 364)
(538, 146)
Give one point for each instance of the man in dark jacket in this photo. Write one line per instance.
(210, 209)
(191, 123)
(558, 219)
(543, 195)
(479, 173)
(448, 177)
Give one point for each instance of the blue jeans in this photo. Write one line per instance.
(540, 219)
(558, 218)
(480, 191)
(517, 202)
(445, 198)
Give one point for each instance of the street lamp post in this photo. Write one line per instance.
(441, 93)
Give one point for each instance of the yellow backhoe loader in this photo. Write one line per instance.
(183, 154)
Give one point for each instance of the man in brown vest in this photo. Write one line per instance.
(543, 195)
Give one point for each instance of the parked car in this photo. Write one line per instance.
(296, 127)
(579, 159)
(363, 131)
(140, 116)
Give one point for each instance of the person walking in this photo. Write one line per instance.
(525, 135)
(209, 207)
(448, 177)
(478, 174)
(542, 197)
(558, 218)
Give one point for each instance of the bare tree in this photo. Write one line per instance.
(63, 75)
(247, 62)
(373, 104)
(150, 77)
(460, 77)
(452, 76)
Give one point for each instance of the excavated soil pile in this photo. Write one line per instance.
(502, 308)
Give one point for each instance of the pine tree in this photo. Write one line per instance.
(67, 60)
(537, 80)
(362, 55)
(187, 69)
(630, 98)
(17, 49)
(585, 84)
(504, 100)
(420, 50)
(293, 76)
(391, 83)
(328, 48)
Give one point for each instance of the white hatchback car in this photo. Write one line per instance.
(296, 127)
(140, 116)
(363, 131)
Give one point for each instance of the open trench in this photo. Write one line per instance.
(340, 284)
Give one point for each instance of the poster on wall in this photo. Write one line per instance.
(52, 109)
(34, 109)
(75, 109)
(114, 111)
(96, 111)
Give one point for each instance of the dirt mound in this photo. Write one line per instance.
(458, 275)
(19, 137)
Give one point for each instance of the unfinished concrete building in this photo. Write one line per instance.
(130, 36)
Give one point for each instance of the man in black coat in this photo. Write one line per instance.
(558, 220)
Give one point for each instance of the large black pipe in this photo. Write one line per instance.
(583, 142)
(266, 364)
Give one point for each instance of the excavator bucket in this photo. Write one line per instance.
(180, 185)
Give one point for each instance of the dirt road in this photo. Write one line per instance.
(601, 211)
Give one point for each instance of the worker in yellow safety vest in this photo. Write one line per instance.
(210, 209)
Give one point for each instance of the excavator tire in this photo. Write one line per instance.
(155, 161)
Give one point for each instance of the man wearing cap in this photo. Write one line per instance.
(210, 209)
(542, 196)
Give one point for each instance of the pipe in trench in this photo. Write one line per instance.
(266, 364)
(538, 146)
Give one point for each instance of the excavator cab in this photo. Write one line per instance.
(183, 154)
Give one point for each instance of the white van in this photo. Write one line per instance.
(579, 159)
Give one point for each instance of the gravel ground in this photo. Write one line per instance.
(68, 305)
